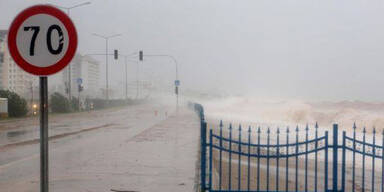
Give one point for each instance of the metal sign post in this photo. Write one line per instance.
(44, 134)
(42, 40)
(177, 98)
(79, 89)
(177, 84)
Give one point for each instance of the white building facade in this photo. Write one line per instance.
(12, 77)
(88, 70)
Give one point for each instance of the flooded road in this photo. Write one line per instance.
(137, 148)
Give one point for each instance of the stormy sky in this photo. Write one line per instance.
(301, 49)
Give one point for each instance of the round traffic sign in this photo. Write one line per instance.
(42, 40)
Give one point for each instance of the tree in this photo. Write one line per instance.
(59, 103)
(17, 106)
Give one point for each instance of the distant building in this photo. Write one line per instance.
(90, 73)
(88, 70)
(12, 77)
(57, 83)
(3, 34)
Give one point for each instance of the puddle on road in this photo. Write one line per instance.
(15, 136)
(12, 134)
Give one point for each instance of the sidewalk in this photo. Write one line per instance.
(165, 155)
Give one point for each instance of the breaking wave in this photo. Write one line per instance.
(295, 112)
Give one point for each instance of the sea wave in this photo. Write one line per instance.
(296, 112)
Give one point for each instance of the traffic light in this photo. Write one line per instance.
(141, 55)
(116, 54)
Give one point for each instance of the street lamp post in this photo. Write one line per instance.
(137, 80)
(126, 71)
(106, 59)
(68, 9)
(126, 78)
(126, 75)
(31, 83)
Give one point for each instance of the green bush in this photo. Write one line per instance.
(59, 103)
(17, 106)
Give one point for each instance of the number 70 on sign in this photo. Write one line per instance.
(42, 40)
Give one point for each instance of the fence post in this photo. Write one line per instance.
(335, 160)
(203, 150)
(343, 163)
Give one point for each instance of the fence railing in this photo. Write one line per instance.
(199, 109)
(303, 159)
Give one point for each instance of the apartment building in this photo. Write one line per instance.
(12, 77)
(87, 69)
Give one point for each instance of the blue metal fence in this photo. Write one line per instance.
(254, 159)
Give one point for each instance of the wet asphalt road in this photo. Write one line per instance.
(130, 148)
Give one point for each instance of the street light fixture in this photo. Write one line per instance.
(68, 9)
(72, 7)
(106, 58)
(34, 108)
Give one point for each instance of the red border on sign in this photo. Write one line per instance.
(72, 35)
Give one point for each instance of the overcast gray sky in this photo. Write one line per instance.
(302, 49)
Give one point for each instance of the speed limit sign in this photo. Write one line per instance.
(42, 40)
